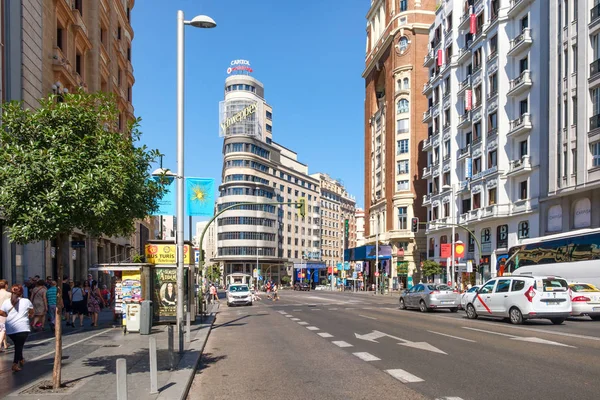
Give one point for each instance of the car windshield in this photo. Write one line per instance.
(439, 287)
(234, 289)
(473, 289)
(584, 287)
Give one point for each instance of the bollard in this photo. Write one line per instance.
(121, 379)
(153, 367)
(171, 347)
(188, 328)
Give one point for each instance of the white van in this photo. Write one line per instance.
(521, 297)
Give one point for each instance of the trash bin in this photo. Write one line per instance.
(146, 317)
(132, 317)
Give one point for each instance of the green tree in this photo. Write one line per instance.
(431, 268)
(66, 166)
(213, 273)
(286, 279)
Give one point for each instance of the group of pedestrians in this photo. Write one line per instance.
(272, 290)
(26, 307)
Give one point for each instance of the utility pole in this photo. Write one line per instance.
(377, 257)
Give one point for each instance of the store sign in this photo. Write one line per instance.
(166, 253)
(582, 214)
(239, 66)
(358, 266)
(240, 116)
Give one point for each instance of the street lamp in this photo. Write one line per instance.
(200, 21)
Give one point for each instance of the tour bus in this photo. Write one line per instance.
(574, 256)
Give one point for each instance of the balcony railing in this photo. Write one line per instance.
(464, 84)
(464, 150)
(515, 123)
(476, 69)
(476, 141)
(492, 132)
(492, 54)
(427, 114)
(518, 80)
(594, 67)
(595, 13)
(595, 122)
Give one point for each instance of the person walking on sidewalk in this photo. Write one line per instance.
(93, 302)
(275, 292)
(40, 304)
(51, 297)
(213, 294)
(17, 310)
(78, 304)
(4, 295)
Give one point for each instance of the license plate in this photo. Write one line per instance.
(447, 302)
(596, 309)
(552, 303)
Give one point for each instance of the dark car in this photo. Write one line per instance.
(302, 286)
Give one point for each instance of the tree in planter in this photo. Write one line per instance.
(65, 166)
(431, 268)
(286, 279)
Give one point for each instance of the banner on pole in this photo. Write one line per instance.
(200, 195)
(166, 205)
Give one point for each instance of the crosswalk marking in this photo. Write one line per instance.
(449, 398)
(288, 315)
(325, 334)
(294, 319)
(302, 323)
(366, 356)
(341, 343)
(403, 376)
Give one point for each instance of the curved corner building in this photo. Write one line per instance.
(258, 170)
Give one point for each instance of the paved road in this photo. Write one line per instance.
(308, 337)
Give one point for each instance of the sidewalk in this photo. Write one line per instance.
(93, 376)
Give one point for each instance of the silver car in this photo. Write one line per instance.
(430, 296)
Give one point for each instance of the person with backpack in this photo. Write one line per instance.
(78, 304)
(17, 310)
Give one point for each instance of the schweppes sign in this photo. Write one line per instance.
(166, 253)
(239, 116)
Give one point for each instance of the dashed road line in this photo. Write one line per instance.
(325, 334)
(341, 343)
(294, 319)
(315, 309)
(297, 309)
(302, 323)
(453, 337)
(366, 316)
(403, 376)
(333, 309)
(312, 328)
(288, 315)
(366, 356)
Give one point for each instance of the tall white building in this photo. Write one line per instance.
(488, 86)
(360, 227)
(209, 243)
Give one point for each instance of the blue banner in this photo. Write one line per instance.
(200, 195)
(166, 205)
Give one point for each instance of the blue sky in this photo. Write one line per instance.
(309, 56)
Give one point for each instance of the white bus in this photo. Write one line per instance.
(574, 256)
(241, 278)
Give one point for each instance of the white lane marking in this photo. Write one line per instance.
(71, 344)
(366, 356)
(38, 342)
(297, 310)
(403, 376)
(366, 316)
(453, 337)
(325, 334)
(302, 323)
(522, 338)
(288, 315)
(341, 343)
(349, 308)
(333, 309)
(312, 328)
(316, 309)
(449, 398)
(282, 312)
(294, 319)
(318, 298)
(367, 308)
(490, 332)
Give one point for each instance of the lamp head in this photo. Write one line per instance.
(202, 21)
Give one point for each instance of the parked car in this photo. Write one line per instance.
(585, 300)
(468, 296)
(238, 294)
(427, 296)
(302, 286)
(522, 297)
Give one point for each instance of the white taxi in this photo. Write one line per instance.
(238, 294)
(586, 300)
(522, 297)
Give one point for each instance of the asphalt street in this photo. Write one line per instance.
(318, 345)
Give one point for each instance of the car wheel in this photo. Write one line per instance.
(557, 321)
(251, 304)
(595, 317)
(454, 309)
(228, 304)
(423, 306)
(402, 305)
(471, 313)
(516, 317)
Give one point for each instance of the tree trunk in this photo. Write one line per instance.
(56, 372)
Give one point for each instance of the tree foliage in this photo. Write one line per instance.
(66, 166)
(213, 273)
(431, 268)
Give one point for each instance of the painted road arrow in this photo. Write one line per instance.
(373, 336)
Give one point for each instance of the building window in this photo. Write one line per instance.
(129, 54)
(79, 6)
(523, 149)
(402, 218)
(403, 125)
(523, 65)
(78, 65)
(403, 185)
(269, 115)
(403, 146)
(502, 236)
(523, 106)
(523, 230)
(595, 149)
(523, 190)
(405, 84)
(403, 5)
(476, 201)
(59, 38)
(476, 165)
(493, 84)
(402, 106)
(403, 167)
(492, 122)
(492, 158)
(492, 196)
(269, 128)
(119, 32)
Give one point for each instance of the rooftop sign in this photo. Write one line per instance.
(239, 67)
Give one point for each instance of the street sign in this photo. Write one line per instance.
(346, 265)
(358, 266)
(469, 266)
(255, 273)
(354, 275)
(78, 244)
(376, 273)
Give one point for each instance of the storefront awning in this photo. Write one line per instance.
(368, 252)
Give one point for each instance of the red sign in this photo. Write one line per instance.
(400, 252)
(468, 100)
(473, 23)
(376, 273)
(440, 60)
(446, 250)
(459, 250)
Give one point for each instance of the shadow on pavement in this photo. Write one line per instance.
(207, 360)
(137, 362)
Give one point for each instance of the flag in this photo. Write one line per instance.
(200, 196)
(440, 60)
(469, 100)
(473, 24)
(166, 205)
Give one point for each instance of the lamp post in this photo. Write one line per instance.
(200, 21)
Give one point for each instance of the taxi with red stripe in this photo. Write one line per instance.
(522, 297)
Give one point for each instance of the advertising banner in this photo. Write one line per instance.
(166, 253)
(166, 205)
(165, 292)
(200, 196)
(240, 117)
(131, 286)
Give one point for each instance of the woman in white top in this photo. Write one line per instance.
(17, 310)
(4, 295)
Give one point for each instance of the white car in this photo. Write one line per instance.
(585, 298)
(468, 296)
(521, 297)
(238, 294)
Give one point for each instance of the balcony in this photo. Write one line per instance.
(447, 125)
(463, 53)
(465, 151)
(464, 120)
(476, 141)
(595, 122)
(427, 199)
(428, 59)
(520, 125)
(492, 132)
(520, 166)
(493, 54)
(491, 94)
(463, 186)
(520, 84)
(427, 114)
(492, 21)
(427, 171)
(594, 24)
(446, 157)
(521, 42)
(478, 35)
(427, 143)
(464, 21)
(594, 79)
(427, 86)
(464, 85)
(516, 6)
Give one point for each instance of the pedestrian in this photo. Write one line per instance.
(93, 303)
(269, 290)
(275, 292)
(78, 304)
(213, 294)
(4, 295)
(67, 284)
(40, 304)
(17, 310)
(48, 282)
(51, 298)
(105, 295)
(90, 279)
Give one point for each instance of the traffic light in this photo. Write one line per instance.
(414, 225)
(302, 206)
